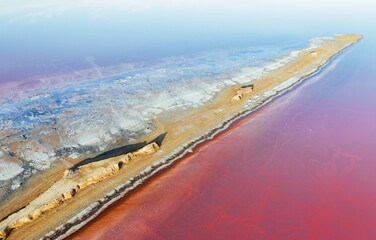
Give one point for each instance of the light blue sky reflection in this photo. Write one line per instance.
(53, 37)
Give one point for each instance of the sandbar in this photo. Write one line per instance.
(74, 196)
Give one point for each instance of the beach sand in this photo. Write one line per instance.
(53, 215)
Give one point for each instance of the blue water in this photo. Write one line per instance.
(50, 38)
(302, 167)
(97, 64)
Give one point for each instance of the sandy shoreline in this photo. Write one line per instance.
(204, 123)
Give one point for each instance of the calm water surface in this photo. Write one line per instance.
(303, 167)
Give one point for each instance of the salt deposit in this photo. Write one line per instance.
(90, 117)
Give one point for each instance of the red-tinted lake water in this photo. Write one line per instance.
(303, 167)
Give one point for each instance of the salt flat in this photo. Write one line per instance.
(186, 108)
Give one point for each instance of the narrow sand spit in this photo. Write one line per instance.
(77, 196)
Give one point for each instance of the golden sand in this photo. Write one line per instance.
(67, 195)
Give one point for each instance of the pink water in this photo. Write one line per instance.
(303, 167)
